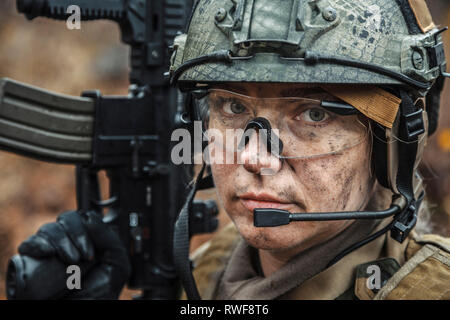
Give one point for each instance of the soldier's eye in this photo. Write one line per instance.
(313, 115)
(233, 107)
(316, 114)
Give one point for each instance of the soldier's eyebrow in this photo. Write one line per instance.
(232, 87)
(303, 92)
(312, 91)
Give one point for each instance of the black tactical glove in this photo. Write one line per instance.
(83, 239)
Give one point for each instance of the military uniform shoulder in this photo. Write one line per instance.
(417, 241)
(426, 273)
(210, 259)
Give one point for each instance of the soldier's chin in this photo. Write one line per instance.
(274, 238)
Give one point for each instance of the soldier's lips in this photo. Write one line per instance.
(252, 202)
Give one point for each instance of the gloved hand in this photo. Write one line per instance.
(83, 238)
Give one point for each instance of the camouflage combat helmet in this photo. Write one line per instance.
(307, 41)
(388, 44)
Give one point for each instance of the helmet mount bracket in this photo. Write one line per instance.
(306, 25)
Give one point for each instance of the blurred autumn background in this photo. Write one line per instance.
(46, 54)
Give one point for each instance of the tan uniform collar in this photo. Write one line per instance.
(240, 279)
(334, 281)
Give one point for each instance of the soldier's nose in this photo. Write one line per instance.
(257, 159)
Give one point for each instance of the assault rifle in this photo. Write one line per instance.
(127, 136)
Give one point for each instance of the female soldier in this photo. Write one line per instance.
(338, 93)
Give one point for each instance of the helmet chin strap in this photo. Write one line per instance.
(181, 241)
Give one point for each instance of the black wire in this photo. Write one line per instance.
(362, 243)
(310, 58)
(217, 56)
(313, 58)
(377, 234)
